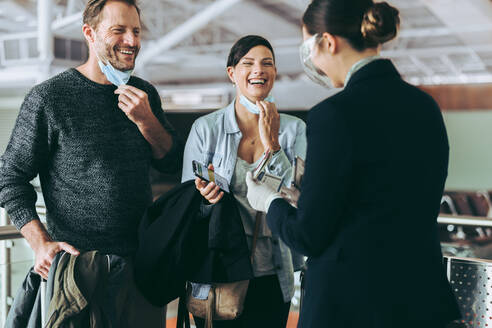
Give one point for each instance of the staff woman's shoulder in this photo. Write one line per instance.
(418, 95)
(287, 120)
(328, 106)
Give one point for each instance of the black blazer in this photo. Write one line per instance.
(376, 164)
(177, 245)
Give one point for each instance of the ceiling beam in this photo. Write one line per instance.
(437, 51)
(282, 10)
(442, 31)
(421, 65)
(45, 38)
(71, 7)
(186, 29)
(67, 21)
(450, 79)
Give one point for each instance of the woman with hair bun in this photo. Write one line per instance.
(376, 165)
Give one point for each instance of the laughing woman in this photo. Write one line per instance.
(234, 140)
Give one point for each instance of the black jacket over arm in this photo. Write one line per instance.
(177, 245)
(376, 165)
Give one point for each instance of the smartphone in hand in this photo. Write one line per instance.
(204, 173)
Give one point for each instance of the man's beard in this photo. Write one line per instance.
(110, 54)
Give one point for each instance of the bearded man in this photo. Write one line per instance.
(91, 133)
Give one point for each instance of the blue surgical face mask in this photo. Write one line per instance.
(250, 106)
(114, 75)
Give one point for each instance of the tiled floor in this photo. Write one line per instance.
(292, 323)
(172, 310)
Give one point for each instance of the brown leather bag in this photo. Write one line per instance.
(225, 301)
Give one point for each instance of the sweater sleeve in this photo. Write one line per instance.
(171, 162)
(24, 158)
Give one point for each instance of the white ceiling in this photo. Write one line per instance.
(441, 41)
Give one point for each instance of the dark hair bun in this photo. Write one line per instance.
(380, 24)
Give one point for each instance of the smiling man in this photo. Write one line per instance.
(91, 133)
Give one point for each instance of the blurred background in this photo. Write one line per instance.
(444, 47)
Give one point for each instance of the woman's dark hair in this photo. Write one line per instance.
(364, 23)
(244, 45)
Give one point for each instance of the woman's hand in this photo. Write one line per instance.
(269, 124)
(210, 191)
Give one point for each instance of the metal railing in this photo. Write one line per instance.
(463, 220)
(7, 233)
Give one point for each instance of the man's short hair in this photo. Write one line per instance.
(92, 11)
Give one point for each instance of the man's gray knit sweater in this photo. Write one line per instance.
(92, 161)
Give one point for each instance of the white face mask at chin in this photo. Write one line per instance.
(315, 74)
(114, 75)
(248, 104)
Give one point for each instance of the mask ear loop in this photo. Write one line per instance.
(317, 38)
(104, 62)
(233, 78)
(236, 85)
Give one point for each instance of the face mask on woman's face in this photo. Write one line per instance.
(315, 74)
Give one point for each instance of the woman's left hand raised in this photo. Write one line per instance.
(268, 124)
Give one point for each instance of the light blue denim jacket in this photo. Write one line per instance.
(214, 138)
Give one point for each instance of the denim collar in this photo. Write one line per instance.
(230, 123)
